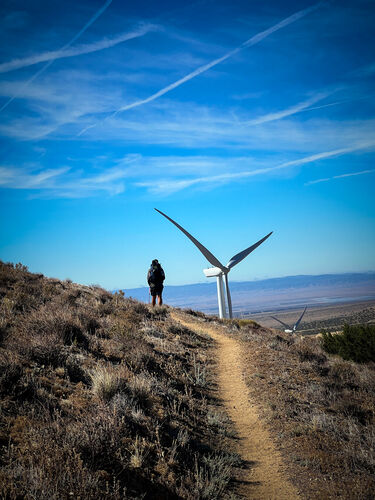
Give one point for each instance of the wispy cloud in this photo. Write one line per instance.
(169, 174)
(21, 178)
(292, 110)
(248, 43)
(97, 14)
(60, 106)
(169, 186)
(106, 43)
(63, 182)
(342, 176)
(194, 126)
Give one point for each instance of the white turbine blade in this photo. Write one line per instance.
(240, 256)
(281, 322)
(299, 321)
(229, 299)
(209, 256)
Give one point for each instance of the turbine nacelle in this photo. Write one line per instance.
(289, 329)
(212, 272)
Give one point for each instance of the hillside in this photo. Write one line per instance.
(103, 397)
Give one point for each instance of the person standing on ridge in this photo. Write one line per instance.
(155, 278)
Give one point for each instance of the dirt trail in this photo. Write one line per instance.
(266, 478)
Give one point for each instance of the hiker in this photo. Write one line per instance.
(155, 278)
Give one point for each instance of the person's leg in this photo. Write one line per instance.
(160, 299)
(153, 300)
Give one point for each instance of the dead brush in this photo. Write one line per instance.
(55, 321)
(6, 311)
(141, 386)
(199, 373)
(321, 421)
(351, 374)
(137, 453)
(309, 350)
(247, 323)
(176, 406)
(75, 371)
(44, 350)
(211, 475)
(220, 421)
(151, 331)
(56, 456)
(108, 380)
(10, 374)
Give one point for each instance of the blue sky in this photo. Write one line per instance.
(235, 118)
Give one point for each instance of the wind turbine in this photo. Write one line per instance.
(289, 329)
(219, 271)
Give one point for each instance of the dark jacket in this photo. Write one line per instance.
(155, 275)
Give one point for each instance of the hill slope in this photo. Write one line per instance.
(103, 397)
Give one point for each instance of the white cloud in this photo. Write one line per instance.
(168, 174)
(169, 186)
(22, 179)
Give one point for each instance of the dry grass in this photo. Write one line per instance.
(108, 380)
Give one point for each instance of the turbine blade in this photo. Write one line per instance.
(299, 321)
(209, 256)
(229, 299)
(281, 322)
(240, 256)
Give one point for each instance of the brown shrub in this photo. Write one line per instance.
(10, 374)
(108, 380)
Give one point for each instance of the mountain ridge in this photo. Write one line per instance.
(272, 293)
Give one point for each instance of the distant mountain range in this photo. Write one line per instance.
(270, 294)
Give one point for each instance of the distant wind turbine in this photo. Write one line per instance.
(219, 271)
(289, 329)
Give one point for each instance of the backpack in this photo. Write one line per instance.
(156, 275)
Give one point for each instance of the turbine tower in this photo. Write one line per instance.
(290, 329)
(219, 271)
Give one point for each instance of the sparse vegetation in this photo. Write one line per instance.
(102, 397)
(356, 343)
(319, 407)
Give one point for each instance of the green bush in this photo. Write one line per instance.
(356, 343)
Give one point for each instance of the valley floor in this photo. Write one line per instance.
(330, 317)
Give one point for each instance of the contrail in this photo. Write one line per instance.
(342, 176)
(297, 108)
(248, 43)
(80, 32)
(74, 51)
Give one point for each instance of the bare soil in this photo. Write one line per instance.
(265, 478)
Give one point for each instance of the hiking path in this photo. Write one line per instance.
(266, 477)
